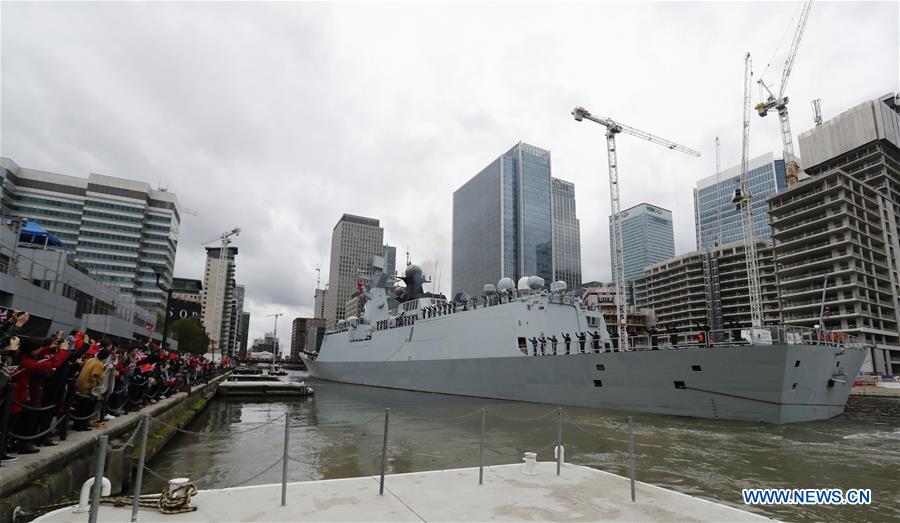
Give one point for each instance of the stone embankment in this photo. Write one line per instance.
(54, 473)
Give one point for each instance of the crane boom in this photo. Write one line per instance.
(743, 199)
(779, 103)
(618, 269)
(795, 44)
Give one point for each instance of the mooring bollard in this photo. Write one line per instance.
(631, 452)
(98, 478)
(387, 415)
(139, 477)
(284, 459)
(559, 447)
(481, 451)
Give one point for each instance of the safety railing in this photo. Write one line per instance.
(167, 504)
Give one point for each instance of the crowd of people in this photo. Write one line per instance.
(71, 381)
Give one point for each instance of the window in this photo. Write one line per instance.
(598, 383)
(696, 368)
(679, 385)
(601, 366)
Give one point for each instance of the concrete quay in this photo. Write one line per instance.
(578, 494)
(35, 480)
(878, 392)
(263, 389)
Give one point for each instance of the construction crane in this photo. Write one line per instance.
(275, 336)
(743, 199)
(817, 111)
(612, 129)
(779, 102)
(221, 279)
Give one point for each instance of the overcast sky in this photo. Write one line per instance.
(279, 117)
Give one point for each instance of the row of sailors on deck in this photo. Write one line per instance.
(541, 341)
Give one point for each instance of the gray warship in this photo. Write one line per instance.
(520, 341)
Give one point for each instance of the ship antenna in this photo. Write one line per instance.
(407, 255)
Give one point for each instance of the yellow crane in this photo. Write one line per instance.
(779, 102)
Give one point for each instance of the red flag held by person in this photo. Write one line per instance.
(147, 367)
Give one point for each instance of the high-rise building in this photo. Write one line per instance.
(715, 215)
(355, 240)
(503, 222)
(240, 292)
(300, 329)
(119, 229)
(219, 299)
(647, 238)
(319, 304)
(390, 259)
(245, 332)
(838, 230)
(566, 234)
(678, 289)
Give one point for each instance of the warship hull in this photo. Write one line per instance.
(777, 383)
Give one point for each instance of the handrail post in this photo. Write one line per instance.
(139, 476)
(481, 450)
(387, 415)
(559, 447)
(631, 453)
(4, 417)
(284, 459)
(98, 478)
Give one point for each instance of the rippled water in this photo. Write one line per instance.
(338, 434)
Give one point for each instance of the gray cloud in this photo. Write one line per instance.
(278, 117)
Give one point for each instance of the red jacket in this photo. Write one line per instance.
(29, 368)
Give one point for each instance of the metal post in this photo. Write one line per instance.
(4, 418)
(387, 415)
(98, 478)
(284, 459)
(559, 450)
(631, 453)
(139, 477)
(481, 451)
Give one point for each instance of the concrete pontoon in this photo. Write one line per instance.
(578, 494)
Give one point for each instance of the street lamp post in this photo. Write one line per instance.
(160, 270)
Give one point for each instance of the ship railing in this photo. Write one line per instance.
(746, 336)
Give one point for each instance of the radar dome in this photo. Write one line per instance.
(506, 284)
(352, 320)
(523, 283)
(535, 283)
(558, 286)
(412, 269)
(341, 324)
(489, 288)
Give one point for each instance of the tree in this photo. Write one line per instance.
(191, 335)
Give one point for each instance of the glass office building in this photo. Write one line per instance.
(715, 215)
(647, 238)
(566, 234)
(503, 221)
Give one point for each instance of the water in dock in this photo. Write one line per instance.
(337, 434)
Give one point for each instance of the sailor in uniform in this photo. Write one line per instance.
(581, 338)
(553, 342)
(543, 341)
(568, 340)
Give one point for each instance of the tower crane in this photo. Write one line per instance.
(779, 102)
(612, 129)
(221, 279)
(743, 199)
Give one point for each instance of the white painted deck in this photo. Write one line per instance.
(579, 494)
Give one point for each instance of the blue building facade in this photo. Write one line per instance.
(648, 237)
(503, 221)
(715, 215)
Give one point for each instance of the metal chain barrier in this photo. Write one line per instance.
(548, 413)
(50, 429)
(130, 439)
(258, 474)
(201, 434)
(592, 431)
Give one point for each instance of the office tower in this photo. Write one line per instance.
(715, 215)
(119, 229)
(219, 297)
(245, 331)
(319, 304)
(837, 231)
(390, 259)
(355, 240)
(647, 238)
(566, 234)
(503, 222)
